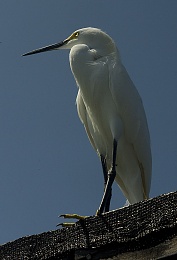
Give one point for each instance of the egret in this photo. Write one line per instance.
(112, 112)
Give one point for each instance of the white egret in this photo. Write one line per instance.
(112, 112)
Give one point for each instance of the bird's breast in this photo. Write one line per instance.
(93, 80)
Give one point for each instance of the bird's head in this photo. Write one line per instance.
(92, 37)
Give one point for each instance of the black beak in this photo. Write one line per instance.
(47, 48)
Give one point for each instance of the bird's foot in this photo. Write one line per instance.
(98, 212)
(75, 216)
(66, 224)
(69, 216)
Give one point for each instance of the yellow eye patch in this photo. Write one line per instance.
(73, 36)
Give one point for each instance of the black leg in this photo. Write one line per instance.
(105, 173)
(105, 170)
(110, 179)
(107, 206)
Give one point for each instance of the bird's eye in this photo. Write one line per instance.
(76, 34)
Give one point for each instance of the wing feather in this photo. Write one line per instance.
(83, 115)
(130, 107)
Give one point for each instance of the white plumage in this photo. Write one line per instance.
(111, 109)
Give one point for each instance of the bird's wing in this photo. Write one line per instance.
(82, 112)
(130, 107)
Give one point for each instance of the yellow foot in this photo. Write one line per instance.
(70, 224)
(75, 216)
(65, 224)
(98, 212)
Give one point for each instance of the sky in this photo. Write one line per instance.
(47, 165)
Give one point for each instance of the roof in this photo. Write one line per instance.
(136, 227)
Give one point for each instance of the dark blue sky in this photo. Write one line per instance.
(47, 165)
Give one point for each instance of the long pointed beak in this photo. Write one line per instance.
(47, 48)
